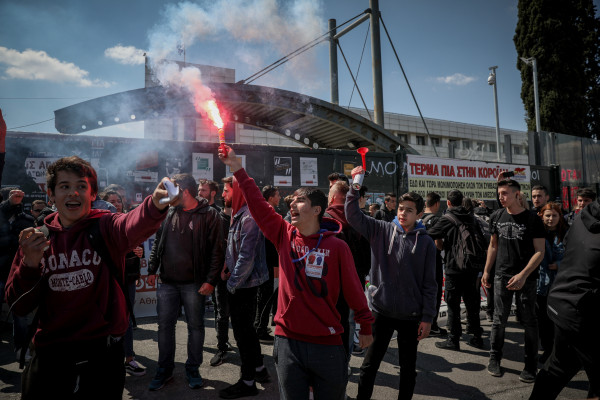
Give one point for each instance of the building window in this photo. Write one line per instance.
(403, 137)
(435, 141)
(492, 147)
(480, 146)
(421, 140)
(517, 150)
(466, 145)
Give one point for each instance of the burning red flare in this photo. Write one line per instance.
(215, 116)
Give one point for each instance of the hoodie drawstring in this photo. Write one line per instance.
(392, 241)
(394, 236)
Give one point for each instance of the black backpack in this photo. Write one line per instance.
(470, 248)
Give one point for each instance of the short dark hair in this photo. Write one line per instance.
(228, 180)
(316, 198)
(415, 198)
(362, 191)
(73, 164)
(269, 191)
(586, 193)
(510, 183)
(288, 200)
(467, 203)
(38, 201)
(432, 199)
(377, 206)
(186, 182)
(212, 185)
(455, 197)
(540, 187)
(389, 195)
(336, 176)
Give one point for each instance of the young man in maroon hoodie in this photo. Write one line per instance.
(82, 310)
(315, 267)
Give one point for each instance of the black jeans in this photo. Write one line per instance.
(571, 351)
(463, 286)
(383, 328)
(221, 314)
(243, 306)
(439, 277)
(502, 303)
(545, 324)
(264, 303)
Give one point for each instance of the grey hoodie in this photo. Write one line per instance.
(402, 265)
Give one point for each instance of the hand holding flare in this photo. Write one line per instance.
(358, 178)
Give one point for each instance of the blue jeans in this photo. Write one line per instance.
(526, 303)
(302, 364)
(170, 298)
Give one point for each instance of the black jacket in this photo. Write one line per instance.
(445, 229)
(574, 299)
(384, 214)
(209, 252)
(12, 221)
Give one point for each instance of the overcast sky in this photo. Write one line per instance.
(57, 53)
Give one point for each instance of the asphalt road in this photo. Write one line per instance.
(441, 374)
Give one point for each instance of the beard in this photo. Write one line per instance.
(228, 203)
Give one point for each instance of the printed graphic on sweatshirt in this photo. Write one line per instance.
(511, 230)
(74, 280)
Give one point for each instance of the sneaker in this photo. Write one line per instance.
(262, 376)
(237, 390)
(162, 377)
(448, 345)
(357, 351)
(193, 377)
(437, 331)
(494, 367)
(218, 358)
(265, 338)
(527, 376)
(476, 342)
(133, 368)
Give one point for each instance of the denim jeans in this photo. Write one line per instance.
(302, 364)
(128, 338)
(221, 297)
(502, 303)
(462, 286)
(170, 297)
(383, 328)
(243, 307)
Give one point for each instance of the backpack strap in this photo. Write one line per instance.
(98, 244)
(452, 218)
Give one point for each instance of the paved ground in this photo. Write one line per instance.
(441, 374)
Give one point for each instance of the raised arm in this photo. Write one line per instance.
(365, 225)
(269, 221)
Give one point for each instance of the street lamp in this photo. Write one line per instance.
(531, 61)
(492, 82)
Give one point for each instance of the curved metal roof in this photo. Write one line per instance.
(304, 119)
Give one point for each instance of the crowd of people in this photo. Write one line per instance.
(71, 265)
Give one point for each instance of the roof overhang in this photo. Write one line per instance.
(307, 120)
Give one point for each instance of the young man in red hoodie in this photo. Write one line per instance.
(82, 310)
(314, 267)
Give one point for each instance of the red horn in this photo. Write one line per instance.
(362, 151)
